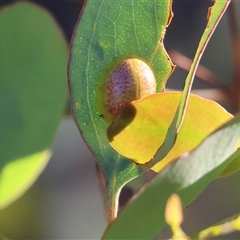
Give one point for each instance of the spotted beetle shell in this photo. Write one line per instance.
(129, 80)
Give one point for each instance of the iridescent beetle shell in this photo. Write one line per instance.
(129, 80)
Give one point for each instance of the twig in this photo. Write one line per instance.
(202, 72)
(235, 43)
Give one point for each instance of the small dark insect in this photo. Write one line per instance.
(101, 116)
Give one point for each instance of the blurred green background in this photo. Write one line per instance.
(66, 201)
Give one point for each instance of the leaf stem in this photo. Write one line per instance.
(112, 202)
(226, 226)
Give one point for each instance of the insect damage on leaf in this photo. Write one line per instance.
(123, 81)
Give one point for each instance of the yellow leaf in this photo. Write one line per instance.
(142, 126)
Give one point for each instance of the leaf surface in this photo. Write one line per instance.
(142, 126)
(33, 62)
(187, 176)
(233, 166)
(105, 32)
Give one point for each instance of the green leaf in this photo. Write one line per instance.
(108, 30)
(135, 117)
(143, 217)
(33, 62)
(233, 166)
(152, 117)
